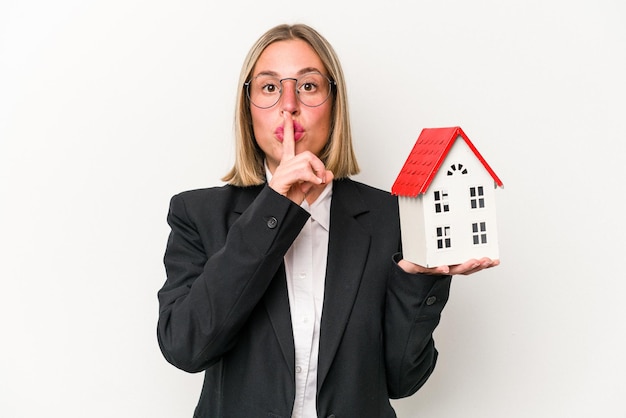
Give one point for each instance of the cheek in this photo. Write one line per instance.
(323, 119)
(261, 127)
(257, 120)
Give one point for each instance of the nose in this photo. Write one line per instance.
(289, 98)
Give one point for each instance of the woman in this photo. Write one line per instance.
(287, 286)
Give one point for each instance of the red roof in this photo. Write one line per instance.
(426, 158)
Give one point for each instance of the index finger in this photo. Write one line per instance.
(289, 143)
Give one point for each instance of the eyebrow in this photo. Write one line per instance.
(299, 73)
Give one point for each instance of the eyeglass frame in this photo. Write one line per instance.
(331, 84)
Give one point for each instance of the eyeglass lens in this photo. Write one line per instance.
(312, 89)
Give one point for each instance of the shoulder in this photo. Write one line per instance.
(201, 196)
(211, 199)
(205, 193)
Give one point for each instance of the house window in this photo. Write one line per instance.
(479, 233)
(457, 168)
(443, 237)
(477, 197)
(441, 201)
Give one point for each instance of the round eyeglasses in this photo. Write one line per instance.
(312, 89)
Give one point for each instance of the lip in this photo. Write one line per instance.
(298, 132)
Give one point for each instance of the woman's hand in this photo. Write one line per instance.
(469, 267)
(298, 176)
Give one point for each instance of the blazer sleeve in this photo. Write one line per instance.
(414, 303)
(217, 274)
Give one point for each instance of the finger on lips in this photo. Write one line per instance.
(289, 152)
(289, 143)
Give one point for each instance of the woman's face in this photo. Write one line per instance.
(290, 59)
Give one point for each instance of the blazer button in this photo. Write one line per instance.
(272, 223)
(431, 300)
(331, 416)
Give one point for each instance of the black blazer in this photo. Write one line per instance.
(224, 307)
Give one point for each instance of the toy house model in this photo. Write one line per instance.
(446, 194)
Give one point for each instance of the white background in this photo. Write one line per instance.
(108, 108)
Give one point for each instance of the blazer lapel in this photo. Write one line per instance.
(277, 305)
(348, 248)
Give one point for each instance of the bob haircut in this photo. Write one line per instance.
(338, 155)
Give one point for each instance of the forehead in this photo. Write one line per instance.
(288, 58)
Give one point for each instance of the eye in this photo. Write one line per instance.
(266, 85)
(269, 87)
(312, 83)
(308, 87)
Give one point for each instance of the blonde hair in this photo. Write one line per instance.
(338, 154)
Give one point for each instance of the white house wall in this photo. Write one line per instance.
(461, 216)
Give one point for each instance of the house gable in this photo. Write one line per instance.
(427, 157)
